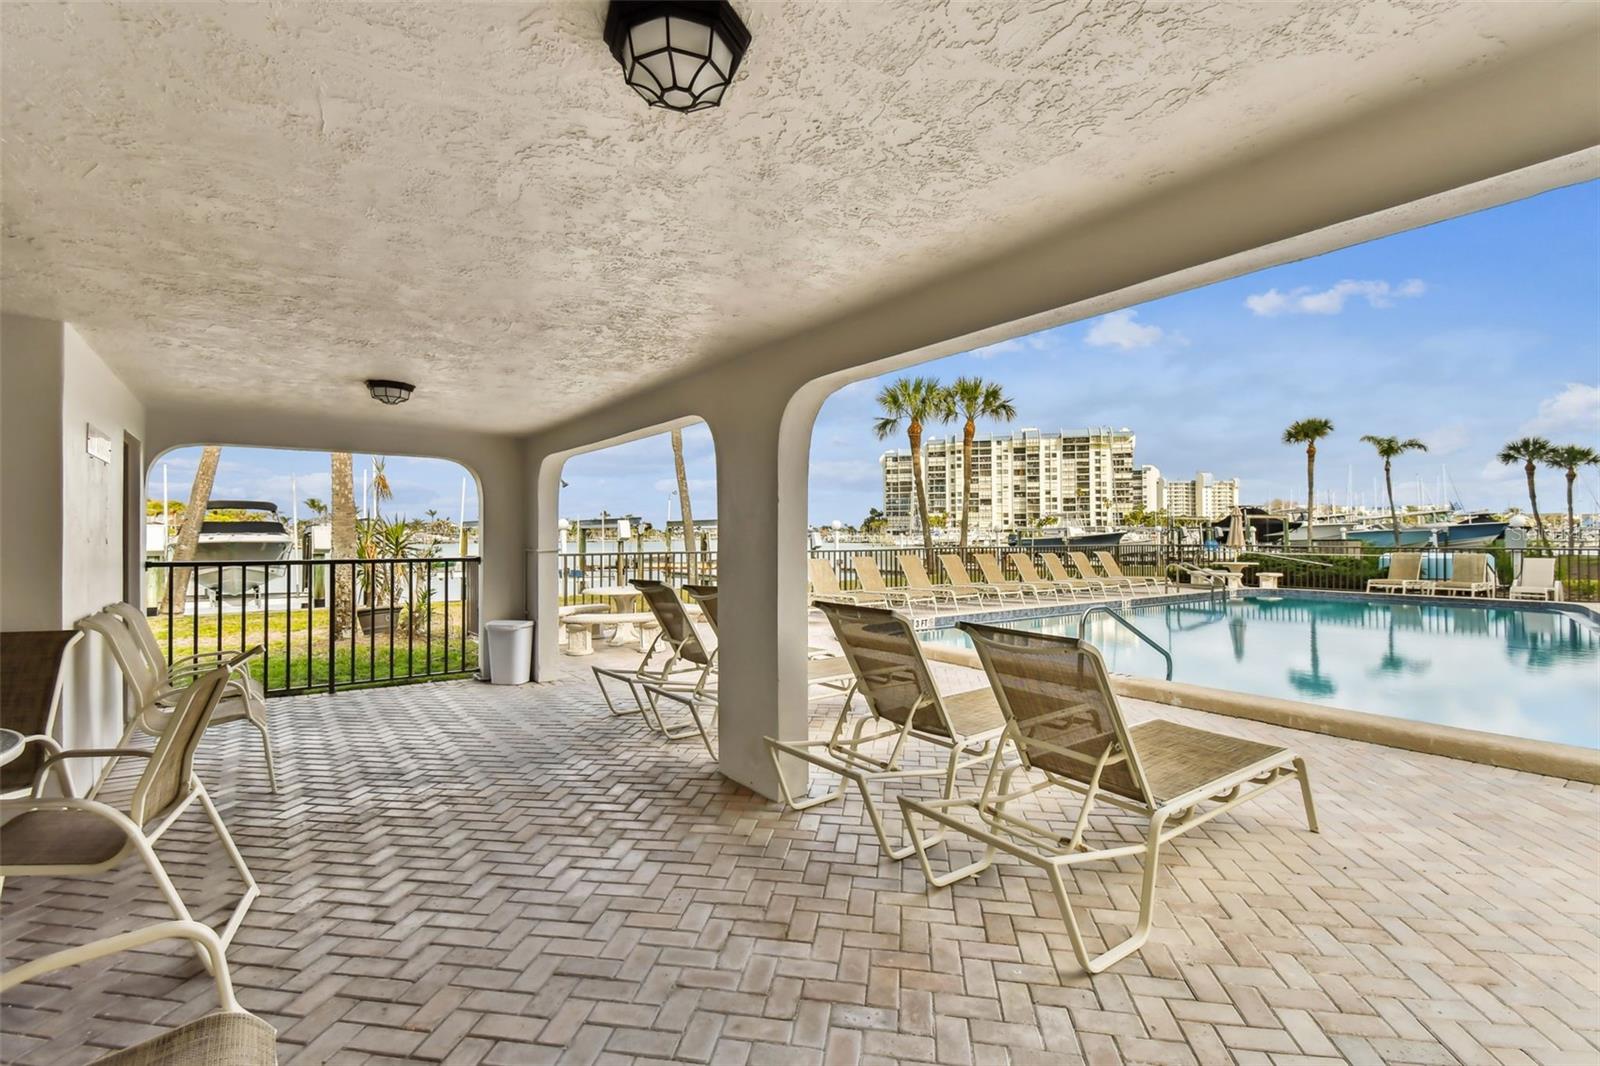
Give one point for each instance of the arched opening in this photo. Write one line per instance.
(345, 569)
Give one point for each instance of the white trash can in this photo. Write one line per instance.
(508, 646)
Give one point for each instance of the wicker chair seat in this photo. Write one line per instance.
(218, 1039)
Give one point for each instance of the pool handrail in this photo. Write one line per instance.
(1141, 634)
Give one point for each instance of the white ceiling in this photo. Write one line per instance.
(274, 202)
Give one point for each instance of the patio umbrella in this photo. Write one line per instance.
(1236, 529)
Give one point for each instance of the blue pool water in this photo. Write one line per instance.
(1520, 672)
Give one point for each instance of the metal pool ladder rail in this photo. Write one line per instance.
(1083, 620)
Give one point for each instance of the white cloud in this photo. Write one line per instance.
(1033, 342)
(1575, 408)
(1330, 301)
(1119, 330)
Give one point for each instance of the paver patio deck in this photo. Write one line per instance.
(465, 873)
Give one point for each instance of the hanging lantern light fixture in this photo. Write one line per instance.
(677, 54)
(389, 393)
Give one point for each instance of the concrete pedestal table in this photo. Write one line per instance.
(624, 600)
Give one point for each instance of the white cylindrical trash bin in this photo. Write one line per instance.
(510, 647)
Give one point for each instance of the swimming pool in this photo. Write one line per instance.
(1522, 672)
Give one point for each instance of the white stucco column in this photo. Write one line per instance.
(763, 461)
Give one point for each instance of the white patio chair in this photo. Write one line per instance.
(1537, 581)
(157, 686)
(1065, 723)
(1405, 574)
(230, 1036)
(65, 837)
(903, 704)
(955, 572)
(688, 668)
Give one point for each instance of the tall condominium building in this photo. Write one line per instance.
(1082, 478)
(1204, 497)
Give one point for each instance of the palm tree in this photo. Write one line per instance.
(194, 516)
(974, 398)
(343, 539)
(1530, 452)
(1388, 448)
(316, 506)
(1569, 457)
(1308, 431)
(381, 491)
(685, 512)
(914, 402)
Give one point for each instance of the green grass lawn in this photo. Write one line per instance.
(296, 653)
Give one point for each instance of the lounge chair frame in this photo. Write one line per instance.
(1057, 569)
(1030, 573)
(845, 752)
(825, 586)
(1544, 586)
(688, 669)
(1405, 575)
(1039, 845)
(1485, 581)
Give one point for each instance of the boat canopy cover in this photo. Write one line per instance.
(242, 505)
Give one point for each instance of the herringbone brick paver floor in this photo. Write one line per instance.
(460, 873)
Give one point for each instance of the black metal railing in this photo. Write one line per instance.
(1341, 567)
(323, 624)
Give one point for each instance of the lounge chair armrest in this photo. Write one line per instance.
(59, 757)
(192, 931)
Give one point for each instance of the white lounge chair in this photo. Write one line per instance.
(158, 686)
(1066, 725)
(1086, 570)
(1537, 581)
(1062, 576)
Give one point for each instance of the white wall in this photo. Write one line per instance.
(62, 522)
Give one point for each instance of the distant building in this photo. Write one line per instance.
(1082, 478)
(1203, 497)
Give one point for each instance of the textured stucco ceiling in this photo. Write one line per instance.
(275, 201)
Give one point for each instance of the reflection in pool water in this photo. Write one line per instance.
(1525, 673)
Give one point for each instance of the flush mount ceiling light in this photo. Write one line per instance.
(389, 393)
(677, 54)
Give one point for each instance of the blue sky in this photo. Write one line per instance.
(265, 474)
(1465, 333)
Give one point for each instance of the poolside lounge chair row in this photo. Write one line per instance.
(1050, 702)
(921, 590)
(1472, 574)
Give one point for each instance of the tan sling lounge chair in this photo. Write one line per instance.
(825, 586)
(831, 673)
(1113, 569)
(1066, 725)
(1030, 574)
(995, 574)
(1405, 574)
(1080, 562)
(917, 580)
(1062, 576)
(871, 579)
(688, 666)
(956, 572)
(66, 837)
(1537, 581)
(230, 1036)
(903, 704)
(1472, 574)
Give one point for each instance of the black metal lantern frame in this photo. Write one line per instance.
(389, 393)
(677, 54)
